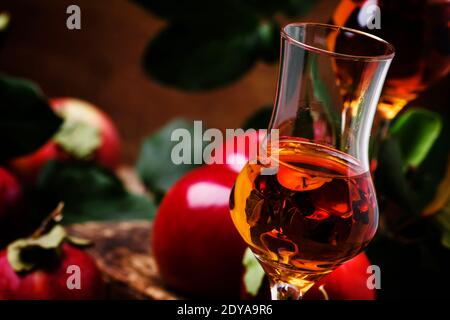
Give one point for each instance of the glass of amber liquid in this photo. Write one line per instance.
(311, 204)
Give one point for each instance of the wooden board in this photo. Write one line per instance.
(122, 252)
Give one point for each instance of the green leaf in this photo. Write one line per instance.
(269, 39)
(208, 44)
(91, 193)
(391, 179)
(17, 250)
(155, 165)
(78, 139)
(4, 20)
(13, 256)
(431, 175)
(416, 131)
(79, 242)
(27, 120)
(260, 119)
(124, 208)
(51, 240)
(202, 57)
(415, 194)
(254, 273)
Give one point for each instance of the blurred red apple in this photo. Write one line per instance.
(87, 133)
(196, 246)
(347, 282)
(10, 205)
(51, 283)
(235, 152)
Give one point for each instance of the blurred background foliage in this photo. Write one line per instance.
(200, 50)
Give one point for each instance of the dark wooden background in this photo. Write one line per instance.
(102, 64)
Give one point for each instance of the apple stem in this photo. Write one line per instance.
(54, 217)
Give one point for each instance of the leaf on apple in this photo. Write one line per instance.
(91, 193)
(254, 273)
(79, 242)
(27, 120)
(23, 253)
(78, 139)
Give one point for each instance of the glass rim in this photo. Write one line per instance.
(381, 57)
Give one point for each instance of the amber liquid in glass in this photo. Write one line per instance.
(318, 211)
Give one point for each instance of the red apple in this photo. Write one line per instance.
(347, 282)
(196, 246)
(28, 167)
(10, 205)
(87, 133)
(235, 152)
(51, 284)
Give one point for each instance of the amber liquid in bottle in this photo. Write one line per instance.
(318, 211)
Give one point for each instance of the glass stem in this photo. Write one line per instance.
(280, 290)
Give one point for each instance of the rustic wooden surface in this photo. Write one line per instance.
(122, 252)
